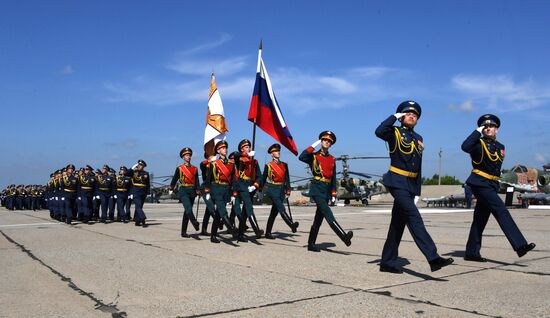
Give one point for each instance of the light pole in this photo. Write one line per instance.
(439, 172)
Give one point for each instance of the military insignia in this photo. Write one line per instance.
(145, 176)
(487, 116)
(412, 103)
(420, 145)
(502, 153)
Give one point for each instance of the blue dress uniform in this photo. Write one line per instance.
(218, 183)
(276, 183)
(122, 188)
(210, 208)
(247, 174)
(87, 183)
(403, 181)
(69, 184)
(141, 185)
(10, 197)
(96, 201)
(322, 189)
(487, 155)
(105, 189)
(188, 177)
(20, 197)
(112, 199)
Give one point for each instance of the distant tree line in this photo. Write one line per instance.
(445, 180)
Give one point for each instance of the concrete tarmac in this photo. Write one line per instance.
(50, 269)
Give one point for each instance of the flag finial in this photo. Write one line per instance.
(260, 44)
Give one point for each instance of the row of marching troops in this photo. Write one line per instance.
(92, 196)
(24, 197)
(236, 177)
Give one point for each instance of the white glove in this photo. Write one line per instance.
(251, 153)
(399, 115)
(134, 166)
(480, 129)
(251, 188)
(333, 199)
(232, 200)
(131, 196)
(416, 198)
(57, 198)
(207, 197)
(114, 196)
(212, 159)
(79, 198)
(170, 192)
(315, 144)
(287, 196)
(62, 199)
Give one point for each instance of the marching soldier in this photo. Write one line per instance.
(20, 197)
(247, 181)
(323, 188)
(218, 187)
(210, 208)
(141, 185)
(403, 180)
(112, 199)
(188, 177)
(277, 186)
(487, 155)
(105, 189)
(86, 184)
(10, 197)
(69, 184)
(96, 202)
(122, 188)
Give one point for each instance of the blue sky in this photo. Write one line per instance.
(115, 81)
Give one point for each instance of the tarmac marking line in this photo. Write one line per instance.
(28, 224)
(99, 304)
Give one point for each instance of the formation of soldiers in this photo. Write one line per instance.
(234, 178)
(24, 197)
(85, 195)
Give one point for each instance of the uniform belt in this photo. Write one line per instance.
(408, 174)
(69, 190)
(187, 184)
(322, 179)
(105, 189)
(139, 184)
(222, 183)
(122, 190)
(485, 175)
(87, 188)
(245, 178)
(276, 183)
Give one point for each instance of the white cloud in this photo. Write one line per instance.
(200, 67)
(224, 37)
(502, 91)
(542, 157)
(67, 69)
(465, 107)
(372, 71)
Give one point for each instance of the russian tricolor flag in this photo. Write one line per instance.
(264, 109)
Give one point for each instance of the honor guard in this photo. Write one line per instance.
(276, 182)
(69, 184)
(323, 188)
(141, 185)
(10, 197)
(105, 187)
(487, 155)
(112, 199)
(96, 202)
(188, 177)
(122, 188)
(210, 208)
(403, 181)
(247, 181)
(218, 188)
(86, 184)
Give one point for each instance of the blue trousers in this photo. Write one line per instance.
(121, 199)
(69, 205)
(405, 213)
(86, 206)
(139, 200)
(489, 202)
(104, 199)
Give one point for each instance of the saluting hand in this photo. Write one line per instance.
(399, 115)
(251, 153)
(315, 144)
(480, 129)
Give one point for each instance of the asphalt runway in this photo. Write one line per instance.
(51, 269)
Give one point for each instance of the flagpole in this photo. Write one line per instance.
(257, 71)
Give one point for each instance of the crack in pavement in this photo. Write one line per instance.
(99, 305)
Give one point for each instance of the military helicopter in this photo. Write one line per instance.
(350, 188)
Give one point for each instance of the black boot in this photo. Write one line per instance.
(194, 222)
(254, 223)
(242, 228)
(214, 232)
(293, 225)
(205, 219)
(230, 229)
(184, 222)
(311, 240)
(345, 237)
(270, 222)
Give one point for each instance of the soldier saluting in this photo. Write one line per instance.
(277, 186)
(188, 177)
(141, 185)
(403, 180)
(323, 187)
(487, 155)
